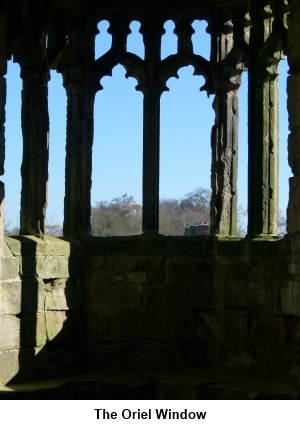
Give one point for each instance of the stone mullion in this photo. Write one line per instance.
(152, 32)
(224, 164)
(34, 170)
(273, 156)
(3, 70)
(80, 132)
(263, 135)
(151, 162)
(224, 142)
(263, 153)
(293, 212)
(77, 69)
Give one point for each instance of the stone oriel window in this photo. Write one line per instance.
(244, 35)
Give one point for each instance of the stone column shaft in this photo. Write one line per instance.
(151, 161)
(152, 89)
(224, 136)
(224, 164)
(34, 170)
(80, 132)
(263, 127)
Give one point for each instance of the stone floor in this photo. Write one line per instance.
(163, 384)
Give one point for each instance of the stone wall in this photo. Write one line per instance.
(227, 304)
(231, 304)
(40, 308)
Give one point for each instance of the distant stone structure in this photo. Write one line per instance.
(150, 302)
(197, 230)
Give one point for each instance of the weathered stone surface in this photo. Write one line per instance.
(32, 245)
(60, 295)
(286, 297)
(25, 296)
(9, 268)
(54, 323)
(184, 293)
(131, 245)
(293, 87)
(9, 365)
(267, 330)
(64, 327)
(192, 245)
(97, 261)
(180, 266)
(102, 293)
(33, 330)
(124, 263)
(137, 278)
(125, 324)
(9, 332)
(248, 294)
(52, 267)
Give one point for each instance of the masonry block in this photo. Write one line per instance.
(248, 294)
(145, 324)
(25, 296)
(33, 330)
(9, 268)
(49, 267)
(124, 263)
(9, 365)
(60, 294)
(184, 293)
(102, 293)
(286, 297)
(9, 332)
(63, 327)
(180, 266)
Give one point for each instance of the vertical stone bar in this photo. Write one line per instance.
(3, 70)
(152, 31)
(293, 212)
(31, 54)
(224, 164)
(80, 131)
(77, 67)
(151, 161)
(34, 169)
(224, 137)
(263, 124)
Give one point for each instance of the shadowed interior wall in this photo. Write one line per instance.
(144, 302)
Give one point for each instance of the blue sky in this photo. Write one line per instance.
(186, 120)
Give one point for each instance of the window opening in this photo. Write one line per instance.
(242, 181)
(169, 40)
(284, 168)
(103, 39)
(201, 39)
(117, 158)
(57, 142)
(13, 150)
(185, 156)
(135, 42)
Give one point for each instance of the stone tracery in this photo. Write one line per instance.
(229, 298)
